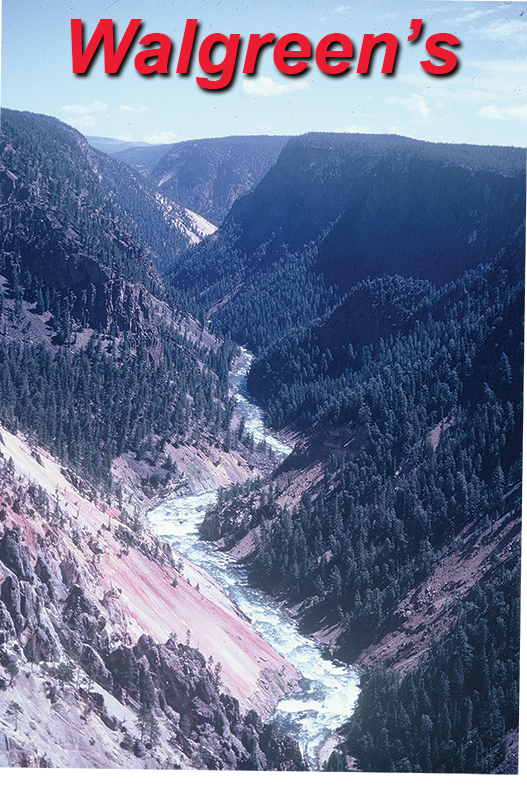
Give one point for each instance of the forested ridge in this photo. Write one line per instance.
(104, 388)
(65, 199)
(455, 712)
(92, 363)
(90, 407)
(337, 209)
(395, 499)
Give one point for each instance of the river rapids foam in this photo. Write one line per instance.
(328, 690)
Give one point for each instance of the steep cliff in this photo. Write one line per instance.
(98, 636)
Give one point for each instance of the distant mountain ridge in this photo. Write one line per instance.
(337, 209)
(381, 204)
(206, 175)
(110, 145)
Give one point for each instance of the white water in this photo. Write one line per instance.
(328, 690)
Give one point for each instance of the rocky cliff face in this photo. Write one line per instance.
(98, 665)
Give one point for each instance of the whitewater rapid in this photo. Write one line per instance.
(328, 691)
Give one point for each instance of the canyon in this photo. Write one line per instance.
(387, 347)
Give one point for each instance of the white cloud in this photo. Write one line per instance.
(508, 113)
(82, 122)
(470, 16)
(85, 116)
(341, 9)
(161, 138)
(139, 110)
(518, 113)
(509, 31)
(491, 112)
(497, 82)
(79, 109)
(415, 103)
(265, 86)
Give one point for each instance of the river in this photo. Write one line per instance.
(328, 691)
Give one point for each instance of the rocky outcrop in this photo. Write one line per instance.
(210, 725)
(172, 681)
(81, 637)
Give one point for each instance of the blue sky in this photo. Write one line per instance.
(484, 101)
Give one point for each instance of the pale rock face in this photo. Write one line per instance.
(193, 227)
(73, 593)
